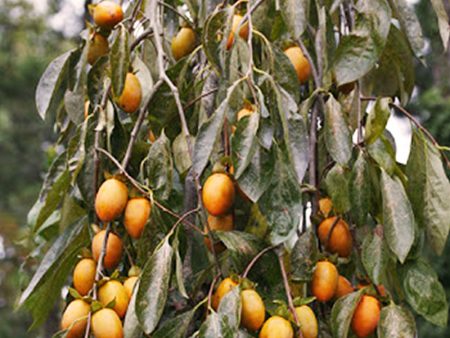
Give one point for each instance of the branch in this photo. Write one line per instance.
(156, 25)
(256, 258)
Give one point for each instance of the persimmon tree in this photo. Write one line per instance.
(225, 171)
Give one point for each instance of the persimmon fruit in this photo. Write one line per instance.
(219, 223)
(114, 290)
(136, 215)
(129, 285)
(84, 275)
(253, 310)
(111, 199)
(276, 327)
(308, 321)
(325, 281)
(114, 249)
(366, 316)
(243, 32)
(340, 240)
(183, 43)
(130, 99)
(344, 287)
(107, 14)
(98, 47)
(224, 287)
(218, 194)
(106, 324)
(75, 317)
(300, 63)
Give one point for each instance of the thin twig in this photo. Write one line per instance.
(333, 226)
(191, 103)
(287, 288)
(142, 115)
(175, 11)
(211, 289)
(255, 259)
(141, 38)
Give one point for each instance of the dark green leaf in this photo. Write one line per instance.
(40, 295)
(230, 309)
(444, 27)
(377, 119)
(429, 190)
(153, 287)
(424, 292)
(303, 257)
(95, 81)
(180, 151)
(360, 190)
(51, 86)
(242, 246)
(295, 15)
(175, 327)
(285, 75)
(337, 182)
(119, 60)
(215, 327)
(358, 52)
(406, 15)
(131, 327)
(396, 322)
(159, 167)
(342, 313)
(337, 134)
(244, 142)
(398, 216)
(383, 153)
(375, 255)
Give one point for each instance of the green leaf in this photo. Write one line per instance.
(244, 142)
(180, 151)
(281, 204)
(215, 327)
(398, 216)
(40, 296)
(159, 166)
(406, 15)
(342, 314)
(175, 327)
(119, 60)
(211, 45)
(444, 27)
(429, 190)
(337, 183)
(230, 309)
(303, 256)
(396, 322)
(257, 177)
(95, 81)
(383, 153)
(284, 74)
(358, 52)
(337, 134)
(424, 292)
(131, 327)
(377, 119)
(360, 190)
(295, 14)
(209, 131)
(153, 287)
(375, 255)
(52, 84)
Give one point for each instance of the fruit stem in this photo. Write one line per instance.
(335, 222)
(211, 290)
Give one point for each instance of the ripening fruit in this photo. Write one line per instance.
(276, 327)
(220, 223)
(98, 46)
(340, 241)
(324, 282)
(243, 33)
(218, 194)
(136, 216)
(366, 316)
(114, 290)
(84, 276)
(107, 14)
(325, 206)
(183, 43)
(76, 313)
(106, 324)
(130, 99)
(111, 199)
(113, 249)
(344, 287)
(300, 63)
(243, 113)
(308, 321)
(224, 287)
(129, 285)
(253, 310)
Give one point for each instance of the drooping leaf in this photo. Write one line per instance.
(244, 142)
(429, 190)
(153, 287)
(358, 52)
(406, 15)
(396, 322)
(337, 183)
(131, 327)
(377, 119)
(175, 327)
(295, 14)
(230, 309)
(424, 292)
(342, 313)
(337, 134)
(303, 256)
(159, 166)
(40, 295)
(374, 255)
(383, 153)
(52, 84)
(360, 190)
(181, 156)
(444, 27)
(215, 327)
(120, 60)
(398, 216)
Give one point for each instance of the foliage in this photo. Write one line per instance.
(301, 142)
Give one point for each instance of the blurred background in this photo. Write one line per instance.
(32, 33)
